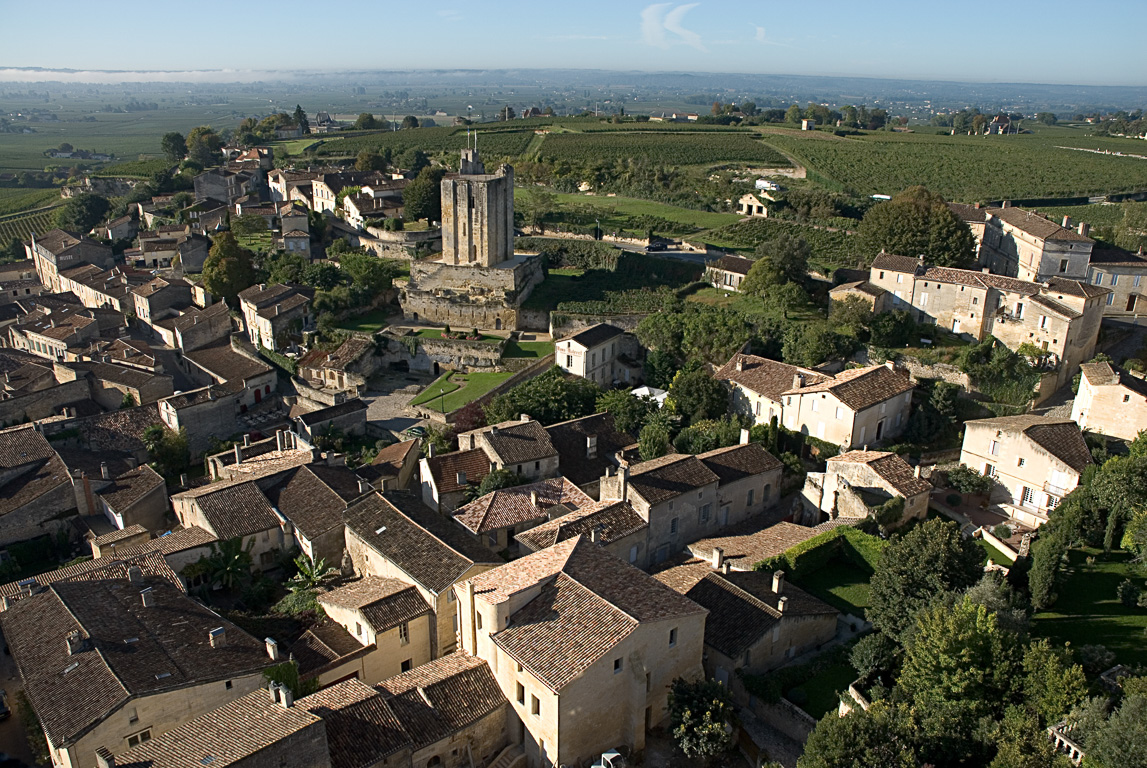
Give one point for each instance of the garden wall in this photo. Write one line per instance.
(564, 324)
(551, 231)
(457, 353)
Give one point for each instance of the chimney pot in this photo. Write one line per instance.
(363, 486)
(183, 480)
(591, 446)
(534, 499)
(1084, 228)
(105, 473)
(135, 575)
(524, 417)
(916, 471)
(272, 649)
(744, 437)
(740, 364)
(147, 597)
(778, 581)
(217, 637)
(75, 642)
(782, 603)
(238, 454)
(718, 558)
(595, 534)
(247, 440)
(798, 381)
(726, 568)
(1066, 222)
(625, 483)
(430, 451)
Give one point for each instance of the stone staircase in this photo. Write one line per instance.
(512, 756)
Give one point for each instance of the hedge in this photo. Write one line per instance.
(810, 556)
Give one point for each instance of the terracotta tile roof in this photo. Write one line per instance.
(861, 286)
(733, 264)
(336, 411)
(517, 442)
(283, 307)
(894, 263)
(308, 502)
(861, 388)
(894, 470)
(235, 509)
(1036, 225)
(669, 476)
(765, 377)
(439, 699)
(170, 543)
(194, 315)
(130, 487)
(739, 461)
(235, 732)
(135, 650)
(384, 603)
(1107, 256)
(445, 467)
(614, 520)
(265, 295)
(589, 601)
(1075, 288)
(324, 647)
(348, 352)
(569, 439)
(1059, 437)
(969, 213)
(362, 729)
(118, 430)
(150, 564)
(595, 335)
(390, 460)
(1055, 307)
(119, 535)
(514, 506)
(750, 542)
(433, 551)
(30, 468)
(225, 363)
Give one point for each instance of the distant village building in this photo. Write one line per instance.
(751, 205)
(727, 272)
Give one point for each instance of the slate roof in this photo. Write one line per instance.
(894, 263)
(669, 476)
(324, 647)
(860, 388)
(361, 727)
(338, 410)
(439, 699)
(1037, 226)
(764, 376)
(737, 462)
(31, 466)
(384, 603)
(231, 734)
(595, 335)
(590, 601)
(518, 442)
(891, 468)
(135, 651)
(613, 519)
(151, 565)
(445, 467)
(569, 440)
(433, 551)
(514, 506)
(234, 509)
(1059, 437)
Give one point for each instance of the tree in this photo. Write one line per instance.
(1135, 535)
(536, 205)
(366, 122)
(228, 269)
(167, 450)
(967, 480)
(248, 224)
(128, 401)
(851, 312)
(1053, 684)
(700, 714)
(812, 343)
(548, 398)
(660, 368)
(882, 736)
(1122, 741)
(629, 411)
(82, 212)
(507, 113)
(793, 114)
(410, 121)
(370, 273)
(784, 259)
(287, 674)
(874, 656)
(653, 442)
(495, 481)
(929, 560)
(413, 160)
(422, 198)
(229, 562)
(369, 160)
(174, 146)
(916, 222)
(696, 395)
(1023, 743)
(786, 297)
(311, 574)
(203, 145)
(300, 118)
(892, 329)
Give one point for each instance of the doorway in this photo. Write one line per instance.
(1131, 303)
(879, 429)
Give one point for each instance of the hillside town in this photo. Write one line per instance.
(360, 502)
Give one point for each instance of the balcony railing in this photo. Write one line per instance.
(1055, 490)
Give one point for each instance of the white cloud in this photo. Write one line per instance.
(448, 14)
(657, 20)
(760, 36)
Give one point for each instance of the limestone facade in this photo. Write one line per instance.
(1110, 402)
(477, 214)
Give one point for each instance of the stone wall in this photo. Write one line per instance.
(564, 324)
(534, 231)
(398, 245)
(469, 296)
(458, 353)
(44, 403)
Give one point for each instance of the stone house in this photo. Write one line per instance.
(874, 296)
(297, 241)
(48, 331)
(264, 728)
(35, 489)
(587, 447)
(386, 615)
(206, 413)
(237, 509)
(111, 288)
(313, 498)
(219, 363)
(856, 407)
(614, 525)
(623, 638)
(58, 250)
(975, 218)
(742, 546)
(226, 185)
(445, 478)
(101, 632)
(108, 568)
(160, 297)
(393, 467)
(495, 518)
(602, 353)
(348, 417)
(1034, 460)
(522, 447)
(416, 546)
(196, 328)
(728, 272)
(178, 548)
(344, 370)
(751, 205)
(757, 384)
(293, 216)
(855, 483)
(280, 182)
(375, 201)
(123, 228)
(274, 313)
(1123, 273)
(136, 498)
(105, 546)
(110, 384)
(756, 621)
(1110, 401)
(749, 480)
(1031, 247)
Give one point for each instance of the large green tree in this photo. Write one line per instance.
(174, 146)
(629, 411)
(82, 212)
(700, 713)
(422, 198)
(228, 268)
(370, 160)
(880, 737)
(696, 395)
(915, 222)
(203, 145)
(1122, 741)
(548, 398)
(366, 122)
(784, 259)
(300, 118)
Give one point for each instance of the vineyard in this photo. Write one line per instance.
(673, 148)
(830, 250)
(14, 201)
(139, 169)
(23, 227)
(967, 168)
(500, 143)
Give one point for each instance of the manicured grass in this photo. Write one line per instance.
(750, 305)
(370, 322)
(1088, 612)
(535, 349)
(460, 389)
(433, 333)
(822, 680)
(993, 554)
(259, 242)
(842, 585)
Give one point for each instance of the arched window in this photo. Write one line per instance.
(436, 760)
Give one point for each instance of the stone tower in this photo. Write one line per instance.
(477, 214)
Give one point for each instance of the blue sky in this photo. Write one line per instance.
(1098, 42)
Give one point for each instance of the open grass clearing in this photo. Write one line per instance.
(993, 554)
(454, 390)
(434, 333)
(370, 322)
(534, 349)
(842, 585)
(1088, 610)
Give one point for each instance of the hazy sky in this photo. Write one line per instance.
(1099, 42)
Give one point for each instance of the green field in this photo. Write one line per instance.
(19, 200)
(459, 389)
(1088, 612)
(840, 584)
(23, 227)
(829, 249)
(615, 212)
(993, 554)
(669, 148)
(534, 349)
(434, 333)
(493, 142)
(370, 322)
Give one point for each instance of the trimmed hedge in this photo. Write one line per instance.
(810, 556)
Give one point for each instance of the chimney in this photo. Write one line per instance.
(798, 381)
(183, 480)
(132, 462)
(778, 581)
(278, 440)
(147, 597)
(262, 286)
(916, 471)
(247, 440)
(744, 437)
(717, 558)
(430, 451)
(740, 364)
(890, 365)
(534, 499)
(782, 603)
(104, 758)
(461, 478)
(473, 623)
(238, 454)
(364, 486)
(135, 575)
(595, 534)
(217, 637)
(277, 310)
(1066, 222)
(591, 446)
(986, 270)
(272, 649)
(1006, 204)
(75, 642)
(524, 418)
(976, 205)
(1084, 228)
(625, 483)
(105, 473)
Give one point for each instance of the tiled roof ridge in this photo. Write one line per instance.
(429, 533)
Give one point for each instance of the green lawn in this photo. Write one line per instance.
(820, 682)
(993, 554)
(535, 349)
(1088, 611)
(434, 333)
(371, 322)
(842, 585)
(459, 389)
(259, 242)
(750, 305)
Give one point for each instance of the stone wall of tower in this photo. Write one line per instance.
(478, 218)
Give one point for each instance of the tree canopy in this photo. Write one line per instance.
(422, 198)
(203, 145)
(228, 268)
(784, 259)
(918, 221)
(548, 398)
(366, 122)
(695, 395)
(82, 212)
(174, 146)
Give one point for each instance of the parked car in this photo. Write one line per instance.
(416, 431)
(610, 759)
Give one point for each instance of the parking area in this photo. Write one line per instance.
(387, 397)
